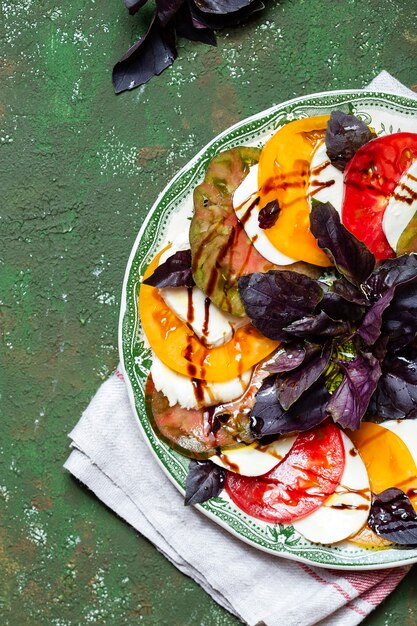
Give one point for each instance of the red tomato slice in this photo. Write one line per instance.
(370, 179)
(298, 485)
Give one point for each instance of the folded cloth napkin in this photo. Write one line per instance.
(110, 456)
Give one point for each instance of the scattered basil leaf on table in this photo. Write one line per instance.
(193, 19)
(152, 54)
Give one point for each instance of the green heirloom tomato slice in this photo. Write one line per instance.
(371, 177)
(298, 485)
(195, 433)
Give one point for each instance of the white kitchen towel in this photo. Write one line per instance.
(110, 456)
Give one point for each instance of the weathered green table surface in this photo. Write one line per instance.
(80, 167)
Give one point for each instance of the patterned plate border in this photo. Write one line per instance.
(279, 540)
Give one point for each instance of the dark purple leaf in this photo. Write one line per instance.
(338, 308)
(205, 480)
(349, 292)
(274, 299)
(399, 321)
(153, 53)
(221, 6)
(269, 418)
(232, 17)
(134, 5)
(166, 9)
(291, 356)
(370, 329)
(268, 215)
(392, 273)
(350, 401)
(396, 394)
(292, 386)
(175, 272)
(345, 134)
(351, 257)
(393, 517)
(319, 325)
(190, 27)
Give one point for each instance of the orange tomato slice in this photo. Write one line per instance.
(181, 350)
(387, 459)
(284, 174)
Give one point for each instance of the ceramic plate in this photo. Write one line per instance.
(386, 114)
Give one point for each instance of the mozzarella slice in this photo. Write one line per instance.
(401, 206)
(405, 429)
(247, 213)
(347, 510)
(254, 460)
(326, 181)
(211, 325)
(187, 392)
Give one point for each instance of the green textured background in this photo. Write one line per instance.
(79, 169)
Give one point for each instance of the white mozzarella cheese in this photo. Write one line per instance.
(347, 510)
(401, 206)
(406, 430)
(253, 459)
(243, 199)
(211, 325)
(326, 181)
(185, 391)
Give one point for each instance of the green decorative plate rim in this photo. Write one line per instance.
(279, 540)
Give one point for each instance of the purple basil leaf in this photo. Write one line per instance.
(350, 401)
(268, 215)
(232, 17)
(338, 308)
(191, 28)
(320, 324)
(274, 299)
(175, 272)
(349, 292)
(292, 356)
(291, 387)
(222, 6)
(152, 54)
(134, 5)
(393, 517)
(166, 9)
(370, 329)
(269, 418)
(392, 273)
(205, 480)
(345, 134)
(399, 321)
(396, 394)
(351, 257)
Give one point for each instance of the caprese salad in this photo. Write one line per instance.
(283, 330)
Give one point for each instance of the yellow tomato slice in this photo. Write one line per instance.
(181, 350)
(284, 174)
(387, 459)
